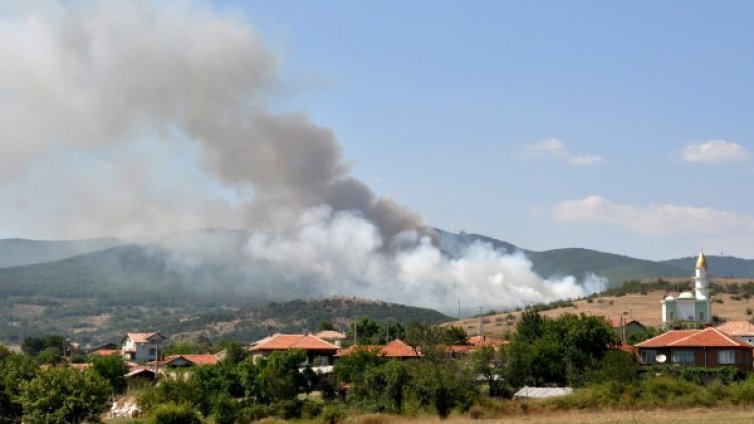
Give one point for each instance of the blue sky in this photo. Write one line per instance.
(503, 118)
(617, 126)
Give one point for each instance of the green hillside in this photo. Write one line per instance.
(15, 252)
(720, 266)
(615, 268)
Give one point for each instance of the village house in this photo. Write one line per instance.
(106, 349)
(179, 361)
(142, 347)
(709, 347)
(334, 337)
(313, 346)
(624, 328)
(396, 349)
(474, 343)
(742, 330)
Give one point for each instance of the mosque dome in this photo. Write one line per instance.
(669, 297)
(686, 295)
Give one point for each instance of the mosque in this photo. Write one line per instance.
(693, 308)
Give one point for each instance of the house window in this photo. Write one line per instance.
(726, 356)
(701, 316)
(152, 351)
(683, 356)
(648, 356)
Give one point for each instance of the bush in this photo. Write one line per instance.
(286, 409)
(252, 413)
(310, 409)
(331, 414)
(224, 409)
(172, 413)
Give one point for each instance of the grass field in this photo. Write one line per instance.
(716, 416)
(644, 308)
(689, 416)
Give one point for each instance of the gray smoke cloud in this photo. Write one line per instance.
(136, 118)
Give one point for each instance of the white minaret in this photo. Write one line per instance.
(701, 283)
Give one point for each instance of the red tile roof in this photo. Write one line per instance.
(395, 349)
(737, 328)
(291, 341)
(709, 337)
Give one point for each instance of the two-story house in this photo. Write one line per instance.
(142, 347)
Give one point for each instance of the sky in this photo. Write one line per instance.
(621, 127)
(617, 126)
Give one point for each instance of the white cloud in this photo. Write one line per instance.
(714, 151)
(653, 219)
(554, 148)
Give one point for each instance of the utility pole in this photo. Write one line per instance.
(481, 332)
(459, 309)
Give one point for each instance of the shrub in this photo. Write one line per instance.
(286, 409)
(172, 413)
(310, 409)
(331, 414)
(252, 413)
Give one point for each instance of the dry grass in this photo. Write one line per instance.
(696, 416)
(643, 308)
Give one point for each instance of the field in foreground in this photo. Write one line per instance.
(717, 416)
(687, 416)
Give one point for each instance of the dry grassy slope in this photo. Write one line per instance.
(643, 308)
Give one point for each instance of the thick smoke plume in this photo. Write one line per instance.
(135, 118)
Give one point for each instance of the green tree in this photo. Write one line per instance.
(279, 377)
(181, 389)
(235, 351)
(530, 327)
(15, 370)
(65, 396)
(325, 326)
(443, 385)
(488, 363)
(172, 413)
(33, 346)
(113, 369)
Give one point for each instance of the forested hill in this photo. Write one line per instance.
(577, 262)
(720, 266)
(15, 252)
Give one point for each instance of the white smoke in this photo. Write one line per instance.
(137, 118)
(331, 252)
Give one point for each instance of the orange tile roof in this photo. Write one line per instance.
(625, 347)
(292, 341)
(205, 359)
(395, 349)
(709, 337)
(482, 341)
(398, 349)
(106, 352)
(737, 328)
(143, 337)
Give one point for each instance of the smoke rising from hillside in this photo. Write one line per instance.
(132, 118)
